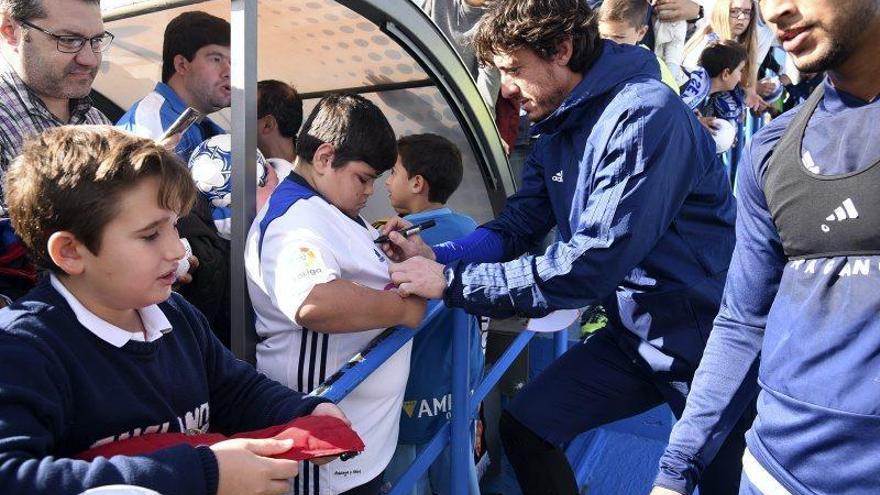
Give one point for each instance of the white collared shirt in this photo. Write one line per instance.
(154, 320)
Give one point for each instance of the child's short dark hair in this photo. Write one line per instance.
(281, 101)
(71, 177)
(355, 127)
(189, 32)
(632, 12)
(436, 159)
(720, 55)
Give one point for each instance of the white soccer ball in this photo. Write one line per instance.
(211, 167)
(725, 135)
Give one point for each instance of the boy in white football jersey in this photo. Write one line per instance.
(317, 282)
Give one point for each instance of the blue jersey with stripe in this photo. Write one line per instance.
(154, 113)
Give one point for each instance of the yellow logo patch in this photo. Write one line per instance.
(310, 263)
(409, 407)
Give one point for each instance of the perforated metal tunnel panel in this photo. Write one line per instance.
(386, 50)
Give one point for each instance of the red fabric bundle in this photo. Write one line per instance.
(313, 436)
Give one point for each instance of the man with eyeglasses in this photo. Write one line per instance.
(51, 51)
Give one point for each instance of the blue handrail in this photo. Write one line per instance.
(364, 363)
(465, 404)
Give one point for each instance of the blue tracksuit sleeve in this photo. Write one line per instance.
(33, 393)
(639, 184)
(726, 379)
(480, 246)
(520, 227)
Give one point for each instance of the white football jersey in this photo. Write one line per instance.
(299, 240)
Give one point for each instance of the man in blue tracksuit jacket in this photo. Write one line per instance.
(801, 303)
(646, 223)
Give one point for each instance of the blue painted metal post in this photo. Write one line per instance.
(423, 462)
(457, 433)
(560, 342)
(497, 370)
(460, 442)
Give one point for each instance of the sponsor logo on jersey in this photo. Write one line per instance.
(311, 263)
(428, 408)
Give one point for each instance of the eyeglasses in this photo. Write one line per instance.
(735, 13)
(73, 44)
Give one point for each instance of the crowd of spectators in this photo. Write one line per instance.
(615, 115)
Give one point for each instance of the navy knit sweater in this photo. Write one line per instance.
(64, 390)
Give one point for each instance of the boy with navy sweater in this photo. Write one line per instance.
(101, 350)
(427, 172)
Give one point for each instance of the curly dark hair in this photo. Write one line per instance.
(541, 26)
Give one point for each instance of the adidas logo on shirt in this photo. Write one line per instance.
(557, 177)
(846, 211)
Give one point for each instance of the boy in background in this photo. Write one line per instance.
(712, 89)
(625, 22)
(427, 172)
(101, 350)
(317, 283)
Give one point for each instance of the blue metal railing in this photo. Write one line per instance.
(745, 132)
(362, 364)
(457, 431)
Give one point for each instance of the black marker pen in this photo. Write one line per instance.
(408, 231)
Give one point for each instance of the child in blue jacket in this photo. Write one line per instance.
(427, 172)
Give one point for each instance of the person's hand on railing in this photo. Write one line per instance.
(403, 248)
(418, 276)
(766, 86)
(754, 102)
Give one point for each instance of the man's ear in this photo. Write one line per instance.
(563, 53)
(322, 160)
(266, 124)
(181, 64)
(642, 32)
(725, 74)
(418, 184)
(66, 251)
(10, 30)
